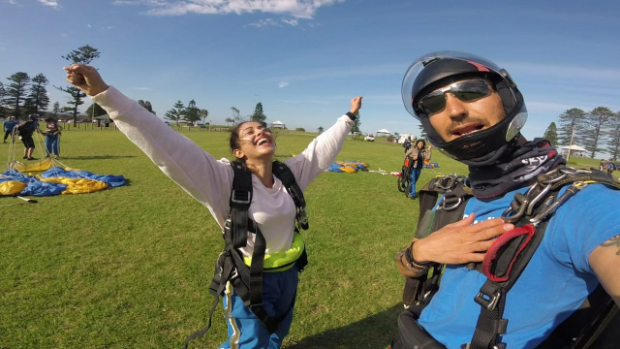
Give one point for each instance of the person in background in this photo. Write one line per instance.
(8, 125)
(25, 132)
(52, 137)
(419, 153)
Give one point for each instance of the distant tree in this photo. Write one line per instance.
(569, 126)
(16, 91)
(321, 129)
(300, 129)
(83, 55)
(423, 134)
(613, 134)
(192, 112)
(146, 105)
(258, 115)
(236, 116)
(98, 111)
(551, 134)
(203, 115)
(595, 125)
(56, 109)
(37, 99)
(229, 121)
(356, 126)
(2, 96)
(176, 113)
(397, 135)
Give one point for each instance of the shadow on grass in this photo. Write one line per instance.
(98, 157)
(376, 332)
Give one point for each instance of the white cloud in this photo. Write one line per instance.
(292, 22)
(143, 88)
(50, 3)
(88, 25)
(12, 2)
(294, 8)
(269, 22)
(282, 84)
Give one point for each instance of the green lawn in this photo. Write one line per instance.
(130, 267)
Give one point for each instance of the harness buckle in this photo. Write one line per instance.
(240, 197)
(303, 216)
(489, 303)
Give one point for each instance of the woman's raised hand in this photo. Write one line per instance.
(356, 104)
(86, 78)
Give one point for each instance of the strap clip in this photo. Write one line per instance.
(241, 197)
(488, 301)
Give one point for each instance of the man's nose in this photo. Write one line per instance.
(455, 107)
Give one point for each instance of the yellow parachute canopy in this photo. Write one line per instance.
(38, 166)
(11, 187)
(77, 185)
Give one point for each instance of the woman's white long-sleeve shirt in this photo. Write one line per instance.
(210, 181)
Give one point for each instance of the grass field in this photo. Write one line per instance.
(130, 267)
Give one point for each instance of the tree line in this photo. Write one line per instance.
(597, 130)
(22, 95)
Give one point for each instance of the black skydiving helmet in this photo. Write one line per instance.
(439, 69)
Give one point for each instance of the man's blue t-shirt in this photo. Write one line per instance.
(553, 285)
(10, 124)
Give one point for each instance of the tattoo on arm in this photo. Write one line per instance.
(613, 242)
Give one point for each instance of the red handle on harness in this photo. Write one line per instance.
(497, 265)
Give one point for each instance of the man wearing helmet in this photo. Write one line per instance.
(473, 111)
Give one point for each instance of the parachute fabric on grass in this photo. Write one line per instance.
(347, 166)
(56, 181)
(429, 164)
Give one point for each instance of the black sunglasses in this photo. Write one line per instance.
(466, 91)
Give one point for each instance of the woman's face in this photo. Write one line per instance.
(255, 141)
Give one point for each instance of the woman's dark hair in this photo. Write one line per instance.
(234, 134)
(423, 143)
(50, 119)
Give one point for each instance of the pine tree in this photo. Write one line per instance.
(146, 105)
(551, 134)
(613, 134)
(595, 126)
(176, 113)
(192, 113)
(83, 55)
(356, 126)
(2, 96)
(423, 134)
(16, 91)
(56, 109)
(258, 115)
(98, 111)
(570, 126)
(37, 98)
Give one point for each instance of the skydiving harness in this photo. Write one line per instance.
(405, 175)
(504, 261)
(246, 274)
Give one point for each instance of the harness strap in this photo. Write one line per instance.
(503, 264)
(285, 175)
(225, 275)
(240, 200)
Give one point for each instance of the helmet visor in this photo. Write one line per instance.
(416, 68)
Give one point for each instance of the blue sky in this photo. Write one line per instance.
(305, 59)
